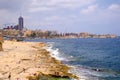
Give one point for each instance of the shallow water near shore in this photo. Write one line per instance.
(91, 59)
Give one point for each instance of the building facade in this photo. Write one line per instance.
(20, 23)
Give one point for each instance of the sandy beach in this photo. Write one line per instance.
(22, 60)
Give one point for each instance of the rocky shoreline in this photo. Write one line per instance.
(29, 61)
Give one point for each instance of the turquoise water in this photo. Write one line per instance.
(91, 59)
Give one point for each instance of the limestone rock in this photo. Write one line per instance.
(1, 41)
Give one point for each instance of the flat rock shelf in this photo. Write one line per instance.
(30, 61)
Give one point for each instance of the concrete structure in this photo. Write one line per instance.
(20, 23)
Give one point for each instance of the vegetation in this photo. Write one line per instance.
(43, 77)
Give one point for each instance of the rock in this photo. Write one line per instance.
(28, 61)
(1, 41)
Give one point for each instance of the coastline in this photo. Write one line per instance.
(29, 60)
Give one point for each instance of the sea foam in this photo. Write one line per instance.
(54, 52)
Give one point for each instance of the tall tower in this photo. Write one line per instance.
(20, 23)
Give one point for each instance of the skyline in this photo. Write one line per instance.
(93, 16)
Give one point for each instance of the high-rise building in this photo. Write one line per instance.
(20, 23)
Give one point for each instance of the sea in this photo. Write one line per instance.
(89, 58)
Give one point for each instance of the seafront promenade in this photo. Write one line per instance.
(29, 60)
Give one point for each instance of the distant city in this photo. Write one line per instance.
(19, 26)
(20, 30)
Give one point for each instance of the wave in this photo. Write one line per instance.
(54, 52)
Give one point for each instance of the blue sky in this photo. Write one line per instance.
(93, 16)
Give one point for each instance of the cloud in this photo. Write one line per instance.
(13, 5)
(89, 9)
(38, 9)
(74, 3)
(46, 5)
(114, 7)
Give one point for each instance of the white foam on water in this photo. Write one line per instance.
(54, 52)
(85, 73)
(82, 73)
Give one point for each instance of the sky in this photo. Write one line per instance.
(92, 16)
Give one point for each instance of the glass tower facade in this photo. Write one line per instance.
(21, 23)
